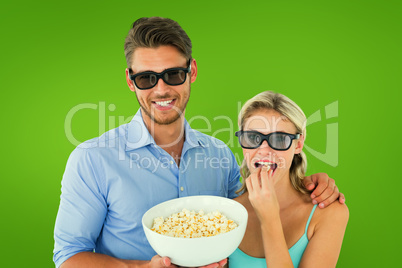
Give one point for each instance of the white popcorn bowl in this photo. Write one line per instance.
(194, 252)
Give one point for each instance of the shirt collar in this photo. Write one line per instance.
(138, 135)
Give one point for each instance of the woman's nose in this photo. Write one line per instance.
(264, 145)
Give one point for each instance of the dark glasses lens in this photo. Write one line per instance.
(173, 77)
(150, 79)
(279, 141)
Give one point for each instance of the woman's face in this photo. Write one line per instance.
(266, 122)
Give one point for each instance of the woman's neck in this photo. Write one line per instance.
(286, 194)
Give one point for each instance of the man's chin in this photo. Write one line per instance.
(163, 117)
(165, 121)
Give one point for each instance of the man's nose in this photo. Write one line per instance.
(161, 86)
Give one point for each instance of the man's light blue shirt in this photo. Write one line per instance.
(112, 180)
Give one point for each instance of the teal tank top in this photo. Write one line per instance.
(239, 259)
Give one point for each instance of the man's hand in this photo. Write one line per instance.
(216, 265)
(159, 262)
(325, 191)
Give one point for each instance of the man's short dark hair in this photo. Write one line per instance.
(154, 32)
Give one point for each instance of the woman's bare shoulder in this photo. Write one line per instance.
(335, 213)
(336, 209)
(333, 218)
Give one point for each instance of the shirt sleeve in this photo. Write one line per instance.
(234, 177)
(82, 208)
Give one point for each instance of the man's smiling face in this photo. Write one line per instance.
(163, 104)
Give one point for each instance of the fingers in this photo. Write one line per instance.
(333, 196)
(323, 192)
(213, 265)
(342, 199)
(165, 262)
(266, 178)
(326, 191)
(223, 262)
(323, 183)
(249, 185)
(216, 265)
(252, 182)
(158, 261)
(308, 183)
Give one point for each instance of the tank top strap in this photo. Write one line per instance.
(309, 218)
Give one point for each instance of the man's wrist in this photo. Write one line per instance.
(136, 264)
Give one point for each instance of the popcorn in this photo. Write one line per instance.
(189, 224)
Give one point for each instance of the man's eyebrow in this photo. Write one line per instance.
(147, 71)
(157, 72)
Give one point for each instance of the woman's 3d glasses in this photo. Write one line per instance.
(279, 141)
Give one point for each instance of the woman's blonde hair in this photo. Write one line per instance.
(269, 100)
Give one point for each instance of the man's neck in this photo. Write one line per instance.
(169, 137)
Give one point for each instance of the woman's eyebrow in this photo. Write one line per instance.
(258, 130)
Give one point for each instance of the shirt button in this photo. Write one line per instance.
(171, 162)
(182, 188)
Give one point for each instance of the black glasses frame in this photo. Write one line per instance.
(161, 75)
(266, 138)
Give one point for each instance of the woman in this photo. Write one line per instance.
(284, 229)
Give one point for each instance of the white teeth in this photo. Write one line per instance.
(163, 103)
(265, 164)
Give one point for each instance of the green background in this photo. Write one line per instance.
(57, 55)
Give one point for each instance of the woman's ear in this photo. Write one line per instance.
(299, 144)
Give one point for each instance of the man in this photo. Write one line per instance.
(111, 181)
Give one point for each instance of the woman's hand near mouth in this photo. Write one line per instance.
(262, 195)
